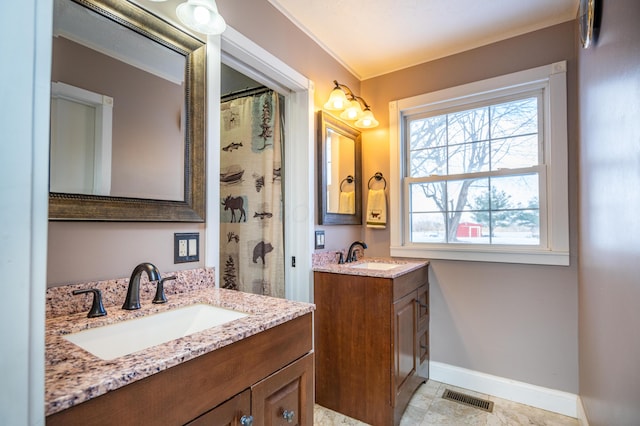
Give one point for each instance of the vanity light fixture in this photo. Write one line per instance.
(353, 107)
(201, 16)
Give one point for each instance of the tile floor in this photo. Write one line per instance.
(427, 408)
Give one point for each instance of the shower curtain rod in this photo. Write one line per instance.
(244, 92)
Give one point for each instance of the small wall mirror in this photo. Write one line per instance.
(339, 172)
(127, 116)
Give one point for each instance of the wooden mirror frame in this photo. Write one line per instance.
(327, 121)
(79, 207)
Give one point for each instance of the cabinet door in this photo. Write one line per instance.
(286, 397)
(234, 412)
(405, 345)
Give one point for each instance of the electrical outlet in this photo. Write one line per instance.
(182, 248)
(185, 247)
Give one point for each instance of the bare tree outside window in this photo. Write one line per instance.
(474, 178)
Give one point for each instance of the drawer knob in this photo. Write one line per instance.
(246, 420)
(288, 415)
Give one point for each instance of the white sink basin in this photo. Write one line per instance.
(116, 340)
(376, 266)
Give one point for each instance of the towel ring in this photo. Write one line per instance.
(378, 177)
(348, 179)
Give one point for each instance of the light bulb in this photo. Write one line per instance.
(201, 14)
(353, 111)
(337, 100)
(367, 120)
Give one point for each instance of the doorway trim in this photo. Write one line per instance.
(242, 54)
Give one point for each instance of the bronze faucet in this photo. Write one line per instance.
(351, 254)
(132, 301)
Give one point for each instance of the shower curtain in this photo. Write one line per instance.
(251, 230)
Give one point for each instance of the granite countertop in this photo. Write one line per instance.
(404, 266)
(73, 375)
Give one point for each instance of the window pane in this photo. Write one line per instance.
(515, 215)
(428, 132)
(428, 162)
(469, 157)
(522, 229)
(512, 153)
(469, 126)
(428, 197)
(469, 230)
(514, 118)
(468, 194)
(520, 191)
(427, 228)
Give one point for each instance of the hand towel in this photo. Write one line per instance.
(347, 203)
(377, 209)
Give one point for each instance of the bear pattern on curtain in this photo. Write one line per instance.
(251, 230)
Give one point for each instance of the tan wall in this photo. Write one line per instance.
(609, 126)
(513, 321)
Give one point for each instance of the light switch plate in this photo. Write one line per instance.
(186, 247)
(319, 240)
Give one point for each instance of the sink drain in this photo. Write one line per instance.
(468, 400)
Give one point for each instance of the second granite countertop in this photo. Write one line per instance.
(404, 266)
(73, 375)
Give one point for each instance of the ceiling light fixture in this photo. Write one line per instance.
(353, 107)
(201, 16)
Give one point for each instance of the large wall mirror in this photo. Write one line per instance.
(339, 172)
(127, 116)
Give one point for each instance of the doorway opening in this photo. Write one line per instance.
(252, 138)
(296, 100)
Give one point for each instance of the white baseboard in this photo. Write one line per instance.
(536, 396)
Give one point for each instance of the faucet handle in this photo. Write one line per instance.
(341, 258)
(160, 297)
(97, 309)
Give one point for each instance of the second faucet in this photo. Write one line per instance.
(351, 254)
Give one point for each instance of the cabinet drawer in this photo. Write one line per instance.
(409, 282)
(228, 413)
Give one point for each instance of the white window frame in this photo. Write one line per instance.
(552, 79)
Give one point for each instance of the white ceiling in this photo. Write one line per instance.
(374, 37)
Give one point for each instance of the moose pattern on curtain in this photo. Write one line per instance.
(251, 230)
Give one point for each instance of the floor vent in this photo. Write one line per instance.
(471, 401)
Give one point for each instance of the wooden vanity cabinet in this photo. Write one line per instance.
(218, 388)
(371, 343)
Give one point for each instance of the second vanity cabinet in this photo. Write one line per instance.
(268, 376)
(371, 343)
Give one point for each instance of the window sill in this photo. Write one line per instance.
(476, 254)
